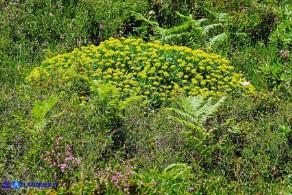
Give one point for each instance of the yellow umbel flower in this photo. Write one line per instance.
(134, 66)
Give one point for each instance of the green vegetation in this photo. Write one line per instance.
(146, 97)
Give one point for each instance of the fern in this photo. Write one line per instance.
(40, 109)
(181, 28)
(174, 32)
(176, 36)
(194, 112)
(198, 109)
(200, 21)
(139, 16)
(208, 109)
(191, 28)
(221, 17)
(217, 40)
(241, 34)
(208, 28)
(183, 16)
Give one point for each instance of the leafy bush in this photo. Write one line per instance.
(283, 32)
(90, 130)
(254, 139)
(178, 130)
(253, 21)
(138, 68)
(278, 76)
(151, 139)
(176, 178)
(267, 67)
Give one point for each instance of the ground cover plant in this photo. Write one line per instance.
(138, 68)
(146, 97)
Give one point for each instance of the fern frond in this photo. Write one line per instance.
(185, 115)
(192, 103)
(241, 34)
(174, 171)
(222, 17)
(207, 28)
(214, 14)
(185, 26)
(200, 21)
(40, 109)
(205, 111)
(208, 109)
(181, 28)
(196, 128)
(160, 31)
(183, 16)
(139, 16)
(195, 110)
(191, 19)
(176, 36)
(218, 39)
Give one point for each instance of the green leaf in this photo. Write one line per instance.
(206, 29)
(218, 39)
(41, 108)
(194, 112)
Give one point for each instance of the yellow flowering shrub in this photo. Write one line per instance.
(139, 68)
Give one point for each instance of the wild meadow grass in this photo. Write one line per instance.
(146, 97)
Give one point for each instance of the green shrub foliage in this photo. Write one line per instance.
(138, 68)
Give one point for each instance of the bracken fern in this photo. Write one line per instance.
(40, 109)
(193, 29)
(194, 112)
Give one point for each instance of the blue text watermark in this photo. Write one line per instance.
(17, 184)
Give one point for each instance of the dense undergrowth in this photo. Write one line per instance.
(146, 97)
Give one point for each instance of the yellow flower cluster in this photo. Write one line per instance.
(139, 68)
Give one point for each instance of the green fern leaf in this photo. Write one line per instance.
(139, 16)
(192, 103)
(176, 36)
(188, 124)
(208, 109)
(241, 34)
(194, 112)
(217, 40)
(41, 108)
(206, 29)
(181, 28)
(200, 21)
(222, 17)
(185, 115)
